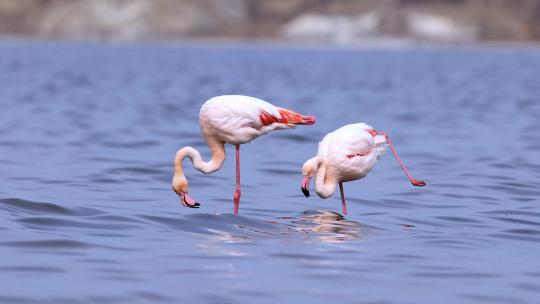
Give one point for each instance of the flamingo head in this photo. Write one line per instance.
(305, 185)
(180, 186)
(308, 170)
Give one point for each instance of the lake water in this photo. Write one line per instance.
(88, 134)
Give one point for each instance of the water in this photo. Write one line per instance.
(88, 133)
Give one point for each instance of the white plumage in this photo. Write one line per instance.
(346, 141)
(235, 120)
(346, 154)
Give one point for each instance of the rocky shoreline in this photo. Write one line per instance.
(336, 21)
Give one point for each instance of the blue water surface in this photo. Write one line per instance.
(88, 133)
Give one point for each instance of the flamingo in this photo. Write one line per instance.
(235, 120)
(347, 154)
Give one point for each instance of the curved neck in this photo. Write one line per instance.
(218, 157)
(310, 166)
(325, 184)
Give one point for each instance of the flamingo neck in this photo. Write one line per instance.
(325, 184)
(310, 166)
(218, 158)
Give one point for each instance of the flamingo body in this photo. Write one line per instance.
(351, 151)
(346, 154)
(238, 119)
(235, 120)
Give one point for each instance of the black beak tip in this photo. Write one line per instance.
(305, 191)
(194, 206)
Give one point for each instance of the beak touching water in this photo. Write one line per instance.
(305, 185)
(188, 201)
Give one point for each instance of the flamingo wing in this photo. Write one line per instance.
(287, 117)
(238, 119)
(349, 152)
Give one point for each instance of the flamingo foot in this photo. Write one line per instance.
(414, 182)
(305, 185)
(188, 201)
(237, 195)
(418, 183)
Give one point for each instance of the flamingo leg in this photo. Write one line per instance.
(343, 204)
(237, 193)
(413, 180)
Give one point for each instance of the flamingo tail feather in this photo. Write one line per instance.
(287, 117)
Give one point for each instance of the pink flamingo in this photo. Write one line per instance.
(347, 154)
(236, 120)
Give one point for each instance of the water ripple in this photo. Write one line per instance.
(88, 139)
(29, 207)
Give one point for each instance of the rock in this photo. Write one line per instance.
(439, 28)
(137, 19)
(341, 21)
(335, 28)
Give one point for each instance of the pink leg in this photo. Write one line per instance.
(413, 181)
(343, 204)
(237, 193)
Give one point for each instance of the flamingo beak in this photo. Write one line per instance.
(305, 185)
(188, 201)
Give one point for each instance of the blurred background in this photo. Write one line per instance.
(89, 130)
(336, 21)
